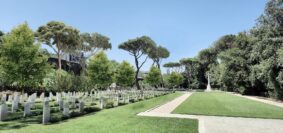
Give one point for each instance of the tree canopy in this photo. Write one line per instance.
(154, 77)
(157, 54)
(1, 37)
(99, 71)
(60, 37)
(249, 62)
(92, 43)
(174, 79)
(21, 62)
(125, 74)
(138, 48)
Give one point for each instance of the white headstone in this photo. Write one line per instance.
(116, 101)
(22, 100)
(66, 109)
(128, 99)
(81, 106)
(14, 106)
(101, 103)
(10, 98)
(46, 112)
(61, 104)
(50, 95)
(3, 111)
(42, 95)
(4, 97)
(27, 109)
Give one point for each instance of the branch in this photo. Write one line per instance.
(53, 49)
(139, 56)
(94, 52)
(143, 62)
(131, 54)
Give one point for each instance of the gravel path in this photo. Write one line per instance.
(217, 124)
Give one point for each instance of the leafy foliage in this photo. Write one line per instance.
(173, 67)
(157, 54)
(60, 37)
(249, 62)
(99, 71)
(1, 37)
(193, 72)
(154, 77)
(174, 79)
(21, 62)
(92, 43)
(58, 80)
(138, 47)
(125, 74)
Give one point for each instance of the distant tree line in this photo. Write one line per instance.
(250, 62)
(24, 67)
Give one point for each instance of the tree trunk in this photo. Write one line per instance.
(162, 81)
(59, 61)
(137, 80)
(137, 73)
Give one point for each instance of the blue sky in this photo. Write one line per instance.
(183, 26)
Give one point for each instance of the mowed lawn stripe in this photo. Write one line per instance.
(225, 104)
(122, 119)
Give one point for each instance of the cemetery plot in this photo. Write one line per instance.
(50, 108)
(224, 104)
(119, 120)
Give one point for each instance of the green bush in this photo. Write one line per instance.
(36, 112)
(132, 100)
(54, 110)
(57, 80)
(109, 104)
(56, 118)
(91, 109)
(14, 116)
(92, 104)
(75, 114)
(38, 106)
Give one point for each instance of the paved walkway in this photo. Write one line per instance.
(170, 106)
(216, 124)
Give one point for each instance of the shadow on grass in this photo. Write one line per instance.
(11, 125)
(19, 123)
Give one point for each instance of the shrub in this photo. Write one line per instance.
(57, 80)
(75, 114)
(109, 104)
(132, 100)
(54, 110)
(80, 83)
(92, 104)
(56, 118)
(99, 70)
(91, 109)
(36, 112)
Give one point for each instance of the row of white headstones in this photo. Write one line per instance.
(64, 100)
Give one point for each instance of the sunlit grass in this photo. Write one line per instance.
(117, 120)
(224, 104)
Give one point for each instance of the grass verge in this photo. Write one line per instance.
(118, 120)
(224, 104)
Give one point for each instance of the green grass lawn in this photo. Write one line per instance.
(117, 120)
(224, 104)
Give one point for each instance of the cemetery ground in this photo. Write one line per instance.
(225, 104)
(212, 113)
(119, 119)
